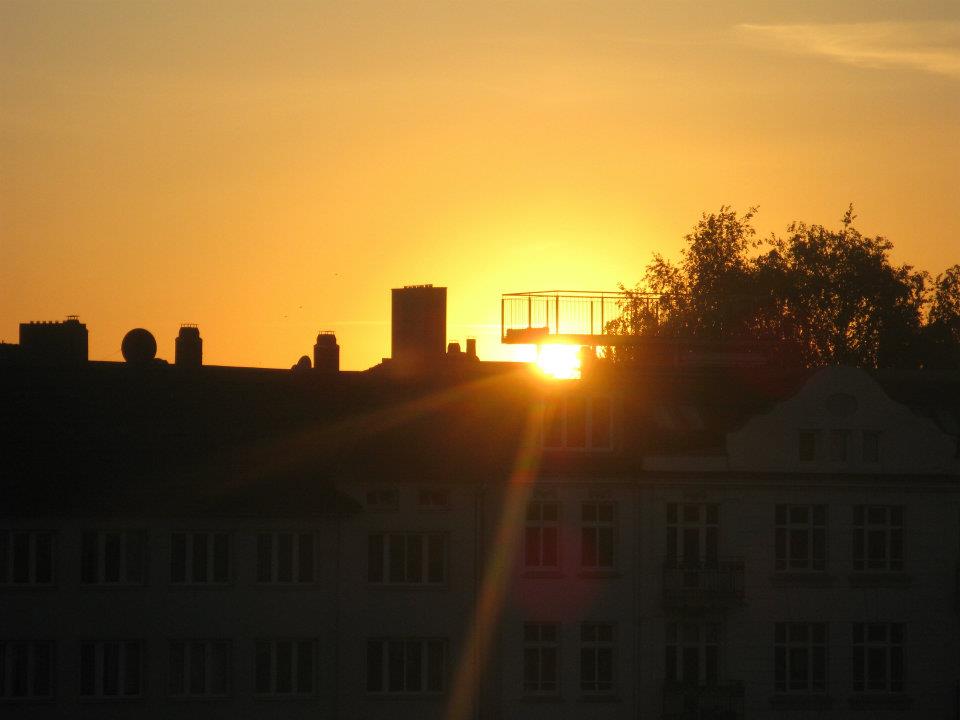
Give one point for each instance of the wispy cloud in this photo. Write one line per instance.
(931, 47)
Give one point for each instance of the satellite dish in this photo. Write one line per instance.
(138, 346)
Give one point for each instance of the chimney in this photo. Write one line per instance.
(188, 348)
(326, 353)
(419, 327)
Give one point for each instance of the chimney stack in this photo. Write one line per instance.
(188, 347)
(326, 353)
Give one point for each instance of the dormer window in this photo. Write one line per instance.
(382, 499)
(807, 442)
(577, 422)
(871, 446)
(838, 445)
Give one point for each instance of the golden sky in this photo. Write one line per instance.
(271, 169)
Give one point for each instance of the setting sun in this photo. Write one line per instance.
(561, 362)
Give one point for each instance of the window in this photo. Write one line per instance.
(577, 422)
(286, 557)
(541, 535)
(800, 657)
(878, 657)
(692, 533)
(597, 535)
(284, 668)
(200, 558)
(541, 658)
(838, 445)
(26, 557)
(433, 499)
(199, 668)
(407, 558)
(26, 669)
(801, 537)
(406, 666)
(111, 669)
(597, 663)
(878, 538)
(693, 653)
(808, 445)
(382, 499)
(112, 557)
(871, 446)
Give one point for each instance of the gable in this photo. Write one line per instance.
(842, 421)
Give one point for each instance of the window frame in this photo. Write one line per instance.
(785, 528)
(381, 647)
(273, 670)
(189, 553)
(542, 527)
(597, 646)
(813, 435)
(8, 670)
(892, 651)
(708, 534)
(100, 551)
(709, 635)
(889, 533)
(385, 576)
(187, 657)
(433, 499)
(871, 439)
(787, 649)
(382, 499)
(8, 557)
(592, 435)
(296, 569)
(598, 527)
(99, 670)
(541, 647)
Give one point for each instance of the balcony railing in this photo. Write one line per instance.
(703, 583)
(702, 702)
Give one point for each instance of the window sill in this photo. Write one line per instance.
(407, 697)
(112, 586)
(409, 587)
(28, 586)
(542, 699)
(599, 574)
(541, 574)
(801, 701)
(112, 699)
(598, 698)
(814, 579)
(35, 700)
(880, 580)
(896, 701)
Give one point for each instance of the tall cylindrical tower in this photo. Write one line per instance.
(189, 347)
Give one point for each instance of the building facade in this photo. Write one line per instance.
(490, 547)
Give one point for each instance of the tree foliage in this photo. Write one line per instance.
(834, 292)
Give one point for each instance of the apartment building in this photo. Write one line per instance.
(256, 543)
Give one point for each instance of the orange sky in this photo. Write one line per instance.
(271, 169)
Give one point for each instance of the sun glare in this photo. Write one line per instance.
(561, 362)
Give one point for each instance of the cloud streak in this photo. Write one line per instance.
(930, 47)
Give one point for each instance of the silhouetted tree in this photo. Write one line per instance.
(834, 292)
(942, 331)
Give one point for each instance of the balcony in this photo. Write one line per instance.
(703, 584)
(702, 702)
